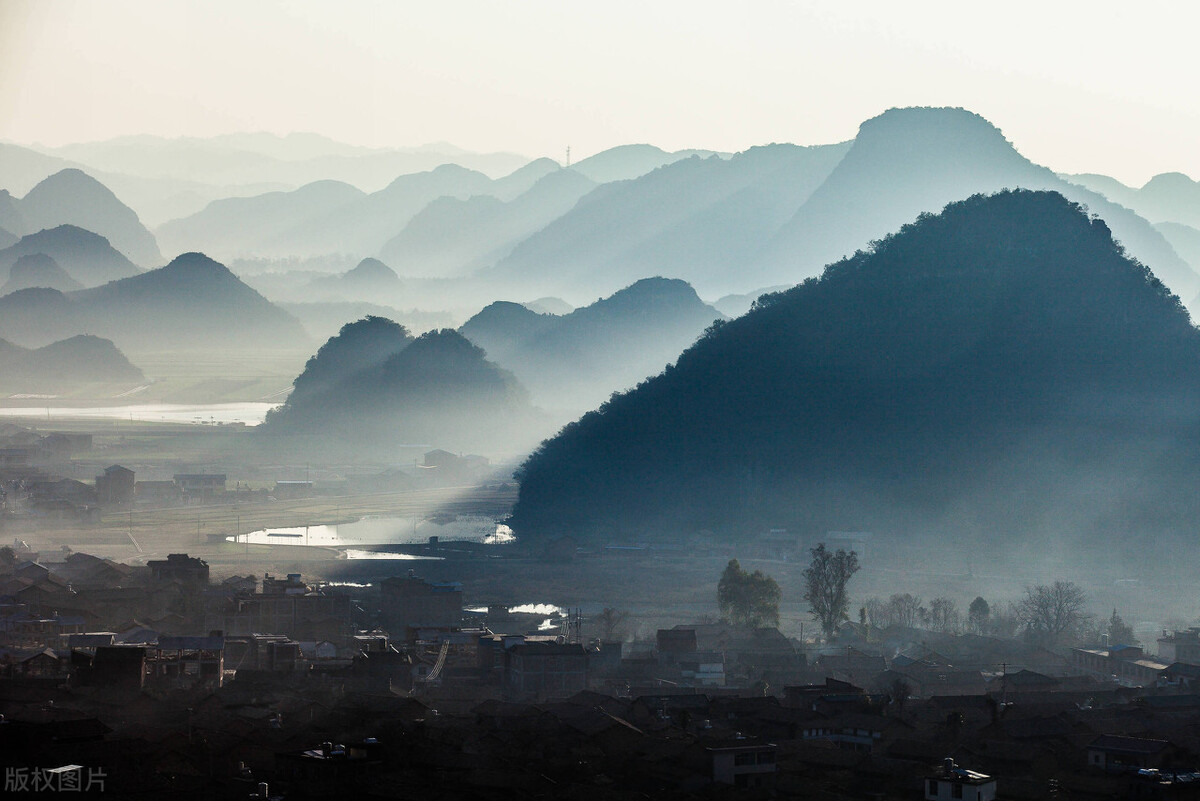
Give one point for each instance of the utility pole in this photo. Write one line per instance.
(568, 156)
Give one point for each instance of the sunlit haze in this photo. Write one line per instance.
(1094, 87)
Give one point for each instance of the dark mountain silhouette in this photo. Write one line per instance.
(370, 279)
(700, 219)
(192, 304)
(453, 236)
(38, 269)
(438, 390)
(237, 226)
(86, 256)
(357, 346)
(323, 320)
(577, 360)
(1001, 371)
(72, 197)
(914, 160)
(63, 365)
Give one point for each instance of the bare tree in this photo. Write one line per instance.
(825, 582)
(610, 621)
(943, 615)
(905, 609)
(1053, 613)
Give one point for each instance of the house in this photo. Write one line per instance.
(545, 669)
(187, 570)
(1117, 752)
(200, 486)
(115, 485)
(1180, 646)
(953, 782)
(743, 762)
(410, 603)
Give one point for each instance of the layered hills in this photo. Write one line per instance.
(1002, 372)
(373, 388)
(62, 365)
(192, 304)
(85, 256)
(38, 270)
(700, 219)
(575, 361)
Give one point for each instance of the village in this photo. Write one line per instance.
(168, 674)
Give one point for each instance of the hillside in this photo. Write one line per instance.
(454, 236)
(38, 270)
(192, 304)
(72, 197)
(236, 226)
(914, 160)
(577, 360)
(1001, 373)
(369, 280)
(62, 365)
(700, 219)
(439, 390)
(87, 257)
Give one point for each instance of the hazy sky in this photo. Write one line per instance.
(1094, 86)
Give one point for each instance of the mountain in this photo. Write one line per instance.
(72, 197)
(65, 364)
(454, 236)
(1168, 197)
(7, 238)
(236, 226)
(192, 304)
(577, 360)
(256, 158)
(737, 305)
(439, 389)
(38, 270)
(323, 320)
(915, 160)
(369, 280)
(701, 219)
(1001, 374)
(363, 225)
(357, 346)
(11, 218)
(625, 162)
(1185, 240)
(87, 257)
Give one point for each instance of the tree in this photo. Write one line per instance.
(1120, 632)
(943, 615)
(904, 609)
(977, 615)
(610, 621)
(825, 582)
(1053, 613)
(748, 599)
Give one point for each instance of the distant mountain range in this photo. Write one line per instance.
(1001, 373)
(38, 270)
(86, 257)
(63, 365)
(454, 236)
(1169, 197)
(700, 219)
(372, 388)
(578, 360)
(72, 197)
(192, 304)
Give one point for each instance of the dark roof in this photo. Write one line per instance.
(1116, 743)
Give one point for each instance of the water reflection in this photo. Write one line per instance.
(383, 531)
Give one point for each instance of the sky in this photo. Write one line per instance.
(1079, 87)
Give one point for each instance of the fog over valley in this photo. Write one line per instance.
(783, 402)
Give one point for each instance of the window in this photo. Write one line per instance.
(956, 790)
(744, 759)
(933, 788)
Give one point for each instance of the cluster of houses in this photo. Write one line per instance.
(170, 681)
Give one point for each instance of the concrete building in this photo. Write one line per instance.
(115, 485)
(545, 670)
(743, 762)
(952, 783)
(200, 486)
(407, 604)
